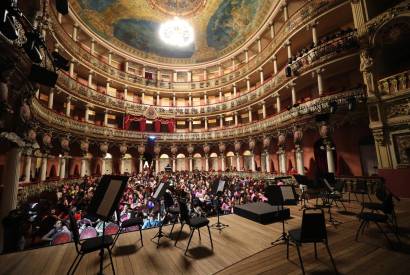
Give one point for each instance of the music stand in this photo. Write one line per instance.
(217, 190)
(104, 202)
(159, 192)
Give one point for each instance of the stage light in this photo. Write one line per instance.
(351, 103)
(152, 138)
(332, 107)
(60, 62)
(8, 21)
(32, 47)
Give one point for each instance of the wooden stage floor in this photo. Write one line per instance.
(242, 248)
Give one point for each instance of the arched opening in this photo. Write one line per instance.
(247, 160)
(127, 162)
(230, 161)
(181, 162)
(197, 165)
(213, 162)
(108, 164)
(163, 162)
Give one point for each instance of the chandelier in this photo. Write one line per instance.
(176, 32)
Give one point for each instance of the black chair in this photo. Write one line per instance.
(170, 208)
(360, 187)
(385, 215)
(313, 230)
(335, 192)
(131, 222)
(194, 223)
(87, 246)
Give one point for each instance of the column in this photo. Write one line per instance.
(175, 76)
(142, 97)
(220, 95)
(158, 99)
(236, 118)
(92, 47)
(190, 163)
(314, 33)
(222, 162)
(238, 162)
(221, 121)
(143, 71)
(248, 84)
(10, 182)
(127, 65)
(285, 12)
(174, 100)
(87, 115)
(299, 160)
(246, 56)
(282, 161)
(267, 161)
(174, 165)
(82, 168)
(253, 162)
(190, 99)
(109, 58)
(250, 114)
(278, 104)
(105, 123)
(272, 30)
(107, 85)
(319, 82)
(293, 94)
(329, 157)
(190, 125)
(206, 124)
(157, 164)
(205, 98)
(263, 110)
(59, 18)
(51, 99)
(259, 45)
(103, 166)
(43, 170)
(289, 50)
(27, 168)
(122, 165)
(275, 65)
(261, 75)
(233, 64)
(90, 79)
(220, 70)
(234, 89)
(141, 165)
(68, 106)
(205, 75)
(62, 167)
(71, 70)
(206, 163)
(75, 32)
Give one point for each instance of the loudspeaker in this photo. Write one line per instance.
(62, 6)
(43, 76)
(288, 71)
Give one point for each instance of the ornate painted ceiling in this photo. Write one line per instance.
(220, 26)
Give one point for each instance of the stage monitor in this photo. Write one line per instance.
(107, 196)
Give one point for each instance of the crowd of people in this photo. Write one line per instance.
(44, 219)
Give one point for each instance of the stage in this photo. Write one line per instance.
(242, 248)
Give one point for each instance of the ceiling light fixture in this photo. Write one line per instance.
(176, 32)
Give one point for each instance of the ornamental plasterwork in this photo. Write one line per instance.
(397, 110)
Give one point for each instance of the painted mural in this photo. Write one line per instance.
(220, 25)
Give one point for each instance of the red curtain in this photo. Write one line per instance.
(127, 122)
(157, 126)
(171, 126)
(143, 124)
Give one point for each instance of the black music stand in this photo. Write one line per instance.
(217, 190)
(159, 192)
(105, 201)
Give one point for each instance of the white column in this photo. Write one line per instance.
(236, 118)
(221, 121)
(141, 164)
(272, 30)
(174, 165)
(92, 47)
(267, 161)
(289, 49)
(205, 99)
(190, 100)
(248, 84)
(90, 79)
(220, 70)
(234, 90)
(205, 75)
(314, 34)
(71, 69)
(238, 162)
(107, 86)
(174, 100)
(275, 65)
(190, 125)
(233, 64)
(103, 166)
(143, 71)
(330, 160)
(143, 97)
(27, 169)
(299, 160)
(250, 115)
(278, 104)
(285, 12)
(10, 181)
(62, 167)
(158, 99)
(59, 18)
(293, 94)
(122, 166)
(246, 56)
(206, 163)
(109, 58)
(190, 163)
(206, 124)
(253, 162)
(157, 164)
(127, 65)
(259, 45)
(51, 99)
(261, 75)
(263, 110)
(75, 32)
(222, 162)
(87, 115)
(43, 171)
(105, 123)
(319, 82)
(282, 161)
(220, 95)
(82, 169)
(175, 77)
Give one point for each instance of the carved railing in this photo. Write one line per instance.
(72, 87)
(303, 16)
(270, 124)
(395, 84)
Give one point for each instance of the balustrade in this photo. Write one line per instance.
(395, 84)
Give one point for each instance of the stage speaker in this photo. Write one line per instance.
(42, 76)
(288, 71)
(62, 6)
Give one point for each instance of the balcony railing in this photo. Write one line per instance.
(395, 84)
(304, 15)
(71, 86)
(272, 123)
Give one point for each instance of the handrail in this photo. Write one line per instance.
(302, 16)
(395, 83)
(272, 123)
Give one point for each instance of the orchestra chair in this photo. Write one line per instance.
(170, 208)
(313, 230)
(88, 246)
(127, 224)
(194, 223)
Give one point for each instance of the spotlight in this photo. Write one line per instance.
(62, 6)
(32, 47)
(351, 103)
(152, 138)
(60, 62)
(332, 107)
(7, 20)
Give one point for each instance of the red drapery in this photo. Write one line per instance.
(157, 125)
(143, 124)
(128, 119)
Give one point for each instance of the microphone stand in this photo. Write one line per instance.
(218, 225)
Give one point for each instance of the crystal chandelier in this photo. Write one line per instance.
(176, 32)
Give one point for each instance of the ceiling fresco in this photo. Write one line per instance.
(220, 26)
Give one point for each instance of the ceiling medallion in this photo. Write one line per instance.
(176, 32)
(178, 7)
